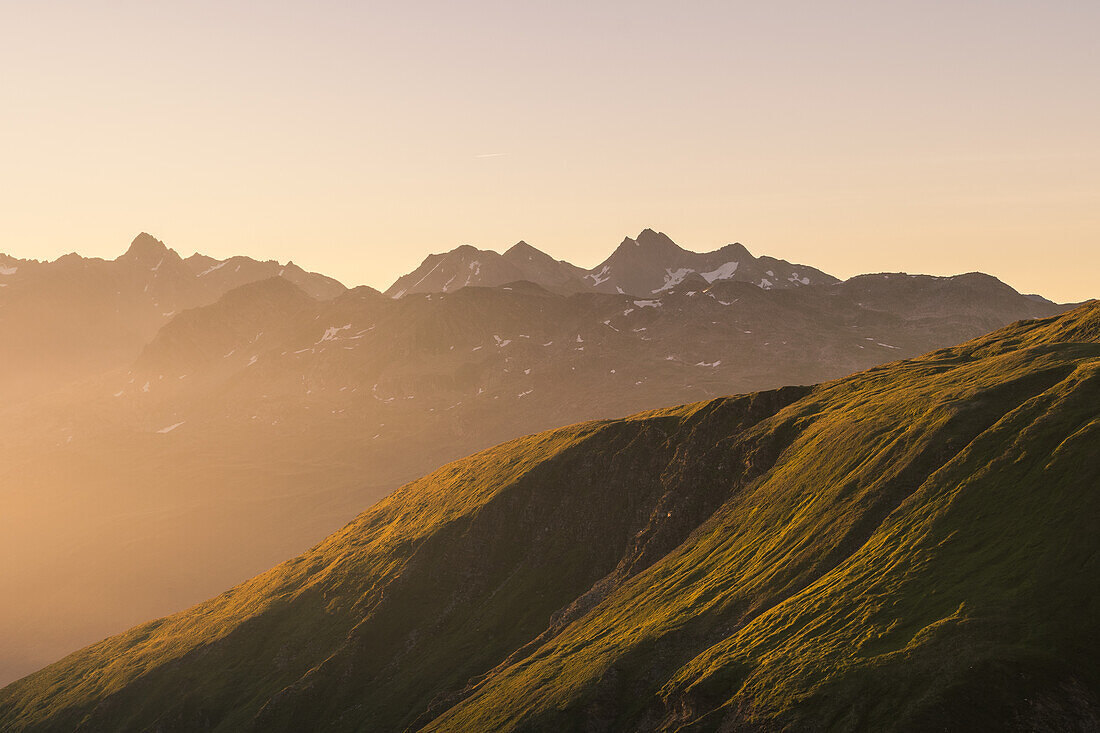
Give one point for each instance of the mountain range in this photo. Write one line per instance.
(650, 264)
(908, 548)
(155, 457)
(76, 316)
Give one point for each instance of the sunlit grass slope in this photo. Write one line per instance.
(914, 547)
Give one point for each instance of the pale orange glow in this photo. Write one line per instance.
(863, 137)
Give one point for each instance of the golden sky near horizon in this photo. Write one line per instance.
(355, 138)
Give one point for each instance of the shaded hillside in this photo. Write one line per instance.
(909, 548)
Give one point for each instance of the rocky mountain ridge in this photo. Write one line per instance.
(647, 265)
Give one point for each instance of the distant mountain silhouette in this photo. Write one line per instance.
(465, 266)
(650, 264)
(75, 316)
(653, 263)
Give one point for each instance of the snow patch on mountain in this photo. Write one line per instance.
(674, 277)
(601, 276)
(794, 278)
(331, 333)
(722, 272)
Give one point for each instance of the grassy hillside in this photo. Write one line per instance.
(913, 547)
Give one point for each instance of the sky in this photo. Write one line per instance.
(356, 137)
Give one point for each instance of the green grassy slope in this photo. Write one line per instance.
(912, 547)
(923, 556)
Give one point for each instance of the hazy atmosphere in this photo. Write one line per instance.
(353, 138)
(535, 367)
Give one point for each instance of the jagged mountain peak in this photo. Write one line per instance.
(735, 250)
(649, 242)
(651, 239)
(467, 265)
(649, 263)
(456, 268)
(653, 263)
(145, 246)
(522, 249)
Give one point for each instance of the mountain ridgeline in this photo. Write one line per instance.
(908, 548)
(175, 425)
(77, 316)
(649, 264)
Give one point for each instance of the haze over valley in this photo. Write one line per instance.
(680, 548)
(720, 367)
(175, 425)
